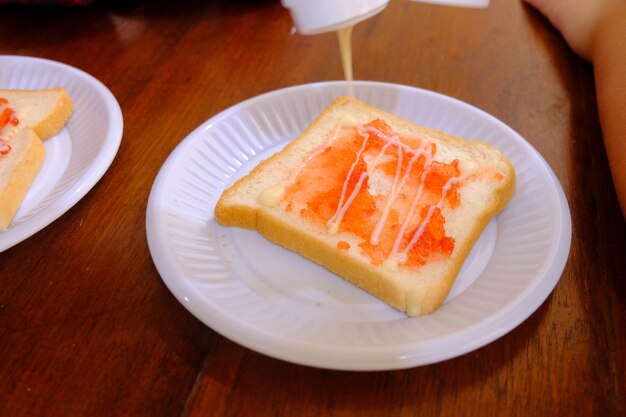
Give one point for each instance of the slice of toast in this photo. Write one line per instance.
(26, 117)
(44, 111)
(390, 206)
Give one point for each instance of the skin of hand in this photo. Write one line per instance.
(577, 20)
(596, 30)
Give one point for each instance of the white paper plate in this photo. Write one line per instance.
(278, 303)
(78, 156)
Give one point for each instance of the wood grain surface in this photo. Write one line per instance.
(87, 327)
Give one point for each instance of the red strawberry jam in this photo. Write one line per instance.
(382, 187)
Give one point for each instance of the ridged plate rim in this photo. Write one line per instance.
(181, 269)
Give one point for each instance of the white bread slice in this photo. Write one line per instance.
(257, 201)
(44, 111)
(18, 170)
(40, 115)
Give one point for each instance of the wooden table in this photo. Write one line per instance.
(87, 327)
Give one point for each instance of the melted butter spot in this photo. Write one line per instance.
(467, 166)
(390, 265)
(271, 197)
(347, 121)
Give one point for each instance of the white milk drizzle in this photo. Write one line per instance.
(316, 152)
(396, 256)
(342, 208)
(407, 220)
(420, 230)
(395, 189)
(335, 220)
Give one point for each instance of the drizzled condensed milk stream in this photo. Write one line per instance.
(344, 37)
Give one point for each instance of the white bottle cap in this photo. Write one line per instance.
(318, 16)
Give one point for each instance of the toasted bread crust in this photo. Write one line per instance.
(56, 116)
(408, 291)
(41, 114)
